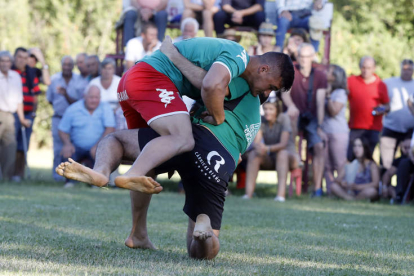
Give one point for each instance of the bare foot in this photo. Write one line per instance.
(74, 170)
(202, 229)
(133, 242)
(143, 184)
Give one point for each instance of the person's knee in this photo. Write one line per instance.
(184, 142)
(318, 149)
(188, 13)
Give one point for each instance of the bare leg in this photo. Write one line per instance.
(176, 137)
(318, 165)
(208, 23)
(139, 207)
(340, 192)
(202, 240)
(282, 168)
(252, 169)
(387, 150)
(368, 193)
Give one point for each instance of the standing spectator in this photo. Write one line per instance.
(93, 64)
(35, 56)
(308, 95)
(189, 29)
(265, 36)
(139, 47)
(137, 13)
(83, 125)
(273, 148)
(295, 14)
(335, 125)
(203, 11)
(30, 92)
(60, 94)
(399, 122)
(239, 12)
(366, 93)
(83, 79)
(297, 37)
(360, 179)
(11, 101)
(108, 82)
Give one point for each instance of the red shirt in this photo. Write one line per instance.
(300, 88)
(363, 98)
(29, 95)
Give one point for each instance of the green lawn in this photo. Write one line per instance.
(47, 230)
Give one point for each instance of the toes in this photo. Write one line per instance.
(71, 160)
(158, 190)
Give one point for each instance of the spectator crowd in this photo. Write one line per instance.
(341, 146)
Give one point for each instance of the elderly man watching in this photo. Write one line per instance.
(308, 95)
(399, 122)
(84, 124)
(60, 94)
(11, 101)
(189, 29)
(368, 102)
(108, 82)
(93, 64)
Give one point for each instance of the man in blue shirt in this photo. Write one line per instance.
(83, 125)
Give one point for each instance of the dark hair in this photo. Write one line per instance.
(277, 104)
(340, 78)
(300, 32)
(148, 26)
(282, 64)
(20, 49)
(365, 145)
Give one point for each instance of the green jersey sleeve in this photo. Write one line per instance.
(234, 57)
(237, 87)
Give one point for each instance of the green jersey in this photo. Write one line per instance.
(202, 52)
(242, 120)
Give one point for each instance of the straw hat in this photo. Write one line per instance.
(266, 28)
(230, 32)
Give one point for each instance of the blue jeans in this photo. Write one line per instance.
(57, 148)
(283, 25)
(19, 134)
(160, 19)
(271, 12)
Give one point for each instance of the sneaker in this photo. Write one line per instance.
(318, 193)
(69, 185)
(245, 197)
(279, 199)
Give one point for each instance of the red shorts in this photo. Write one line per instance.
(145, 95)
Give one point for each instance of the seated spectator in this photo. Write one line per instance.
(360, 179)
(83, 77)
(175, 9)
(265, 36)
(189, 29)
(388, 191)
(11, 101)
(83, 125)
(297, 37)
(334, 124)
(93, 64)
(137, 13)
(296, 14)
(31, 91)
(108, 82)
(273, 149)
(139, 47)
(35, 56)
(231, 34)
(308, 95)
(239, 13)
(368, 101)
(60, 94)
(404, 175)
(399, 122)
(203, 11)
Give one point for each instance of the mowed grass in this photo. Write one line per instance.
(48, 230)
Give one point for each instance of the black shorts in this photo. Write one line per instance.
(205, 172)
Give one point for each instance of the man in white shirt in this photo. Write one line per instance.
(139, 47)
(399, 122)
(11, 101)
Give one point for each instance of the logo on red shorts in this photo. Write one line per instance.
(166, 96)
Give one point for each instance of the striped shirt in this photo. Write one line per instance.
(29, 94)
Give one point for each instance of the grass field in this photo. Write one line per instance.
(47, 230)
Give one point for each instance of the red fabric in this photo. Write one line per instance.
(363, 98)
(29, 96)
(300, 89)
(145, 93)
